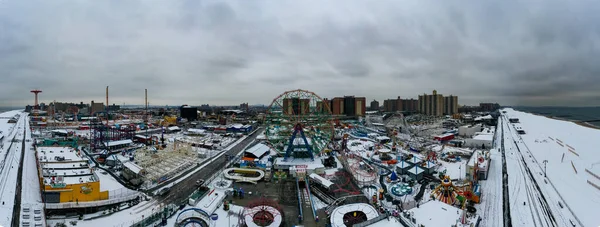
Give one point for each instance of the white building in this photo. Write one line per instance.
(480, 140)
(469, 130)
(481, 159)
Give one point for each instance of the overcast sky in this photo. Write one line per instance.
(528, 52)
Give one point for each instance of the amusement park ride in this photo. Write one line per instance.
(299, 125)
(450, 194)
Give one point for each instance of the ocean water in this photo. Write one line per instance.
(4, 109)
(570, 113)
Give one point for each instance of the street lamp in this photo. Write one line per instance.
(545, 161)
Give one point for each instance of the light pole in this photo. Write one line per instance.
(545, 161)
(460, 172)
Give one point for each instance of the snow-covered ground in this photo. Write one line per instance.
(567, 150)
(490, 208)
(436, 213)
(9, 163)
(455, 170)
(31, 198)
(389, 222)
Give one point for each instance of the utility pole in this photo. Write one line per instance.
(106, 107)
(545, 161)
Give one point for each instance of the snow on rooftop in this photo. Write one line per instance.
(436, 213)
(118, 143)
(403, 164)
(391, 221)
(415, 170)
(110, 184)
(414, 159)
(53, 154)
(486, 117)
(300, 162)
(62, 131)
(479, 154)
(323, 181)
(455, 170)
(237, 126)
(233, 111)
(359, 145)
(133, 167)
(197, 130)
(66, 172)
(383, 138)
(384, 150)
(70, 179)
(142, 137)
(258, 150)
(65, 165)
(211, 201)
(484, 136)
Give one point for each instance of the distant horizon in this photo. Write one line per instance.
(212, 105)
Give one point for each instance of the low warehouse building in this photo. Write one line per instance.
(469, 130)
(481, 140)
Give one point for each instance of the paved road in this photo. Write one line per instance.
(182, 190)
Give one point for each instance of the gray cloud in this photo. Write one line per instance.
(514, 52)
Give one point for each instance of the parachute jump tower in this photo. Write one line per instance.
(35, 93)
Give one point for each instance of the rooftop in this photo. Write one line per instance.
(484, 136)
(415, 170)
(59, 154)
(477, 155)
(299, 162)
(133, 167)
(70, 180)
(436, 213)
(118, 143)
(258, 150)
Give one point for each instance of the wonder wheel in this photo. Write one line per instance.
(299, 124)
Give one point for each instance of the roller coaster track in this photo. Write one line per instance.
(253, 180)
(321, 195)
(338, 201)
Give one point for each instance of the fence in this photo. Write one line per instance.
(346, 200)
(372, 221)
(155, 218)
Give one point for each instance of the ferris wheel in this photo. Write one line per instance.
(299, 124)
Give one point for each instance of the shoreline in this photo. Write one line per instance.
(580, 123)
